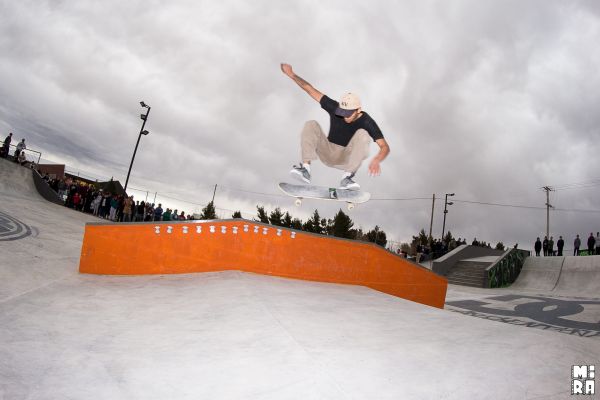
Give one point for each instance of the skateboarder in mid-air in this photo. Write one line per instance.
(350, 133)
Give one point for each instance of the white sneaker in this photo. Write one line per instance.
(348, 183)
(301, 173)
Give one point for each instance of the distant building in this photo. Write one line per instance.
(54, 171)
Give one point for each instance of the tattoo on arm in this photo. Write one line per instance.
(300, 81)
(307, 87)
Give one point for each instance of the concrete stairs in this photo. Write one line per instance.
(468, 273)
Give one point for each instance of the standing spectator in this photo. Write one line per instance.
(120, 206)
(96, 204)
(591, 244)
(560, 245)
(158, 212)
(83, 192)
(551, 246)
(167, 215)
(76, 200)
(537, 247)
(20, 147)
(182, 216)
(105, 205)
(419, 253)
(136, 211)
(576, 245)
(598, 243)
(6, 145)
(174, 215)
(545, 246)
(62, 190)
(89, 198)
(452, 244)
(127, 209)
(114, 206)
(149, 212)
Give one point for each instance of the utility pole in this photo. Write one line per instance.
(446, 204)
(144, 118)
(548, 189)
(431, 223)
(214, 192)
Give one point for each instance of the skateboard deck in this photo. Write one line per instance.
(300, 192)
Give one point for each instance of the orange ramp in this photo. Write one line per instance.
(221, 245)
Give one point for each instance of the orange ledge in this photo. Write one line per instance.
(222, 245)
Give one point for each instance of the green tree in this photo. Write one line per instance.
(500, 246)
(377, 236)
(276, 217)
(448, 237)
(313, 224)
(328, 226)
(421, 239)
(262, 215)
(287, 220)
(405, 247)
(209, 212)
(358, 234)
(342, 226)
(237, 214)
(296, 224)
(308, 226)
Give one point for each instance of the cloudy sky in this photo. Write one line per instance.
(491, 100)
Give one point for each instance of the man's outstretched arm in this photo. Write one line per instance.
(307, 87)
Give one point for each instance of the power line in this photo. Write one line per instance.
(526, 207)
(252, 192)
(499, 204)
(577, 185)
(576, 210)
(400, 199)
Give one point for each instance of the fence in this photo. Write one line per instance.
(31, 156)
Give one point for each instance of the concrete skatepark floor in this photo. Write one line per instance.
(234, 335)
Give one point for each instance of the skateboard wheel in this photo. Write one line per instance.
(298, 202)
(350, 206)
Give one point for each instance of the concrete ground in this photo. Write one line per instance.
(234, 335)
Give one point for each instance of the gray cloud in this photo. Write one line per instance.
(490, 100)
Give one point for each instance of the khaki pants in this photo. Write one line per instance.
(314, 145)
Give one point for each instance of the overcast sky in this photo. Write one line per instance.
(491, 100)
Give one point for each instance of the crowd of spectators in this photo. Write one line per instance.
(19, 155)
(546, 247)
(438, 248)
(87, 198)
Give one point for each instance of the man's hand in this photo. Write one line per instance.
(287, 69)
(384, 150)
(374, 168)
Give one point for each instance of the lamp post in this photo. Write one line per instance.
(144, 118)
(446, 204)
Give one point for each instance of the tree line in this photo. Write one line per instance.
(341, 225)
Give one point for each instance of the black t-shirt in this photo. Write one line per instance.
(340, 132)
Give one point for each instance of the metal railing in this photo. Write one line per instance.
(31, 155)
(506, 269)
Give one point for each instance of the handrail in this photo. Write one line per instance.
(505, 270)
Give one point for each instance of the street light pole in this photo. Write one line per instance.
(446, 204)
(144, 118)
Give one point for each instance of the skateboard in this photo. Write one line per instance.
(300, 192)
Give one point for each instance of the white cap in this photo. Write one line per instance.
(348, 103)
